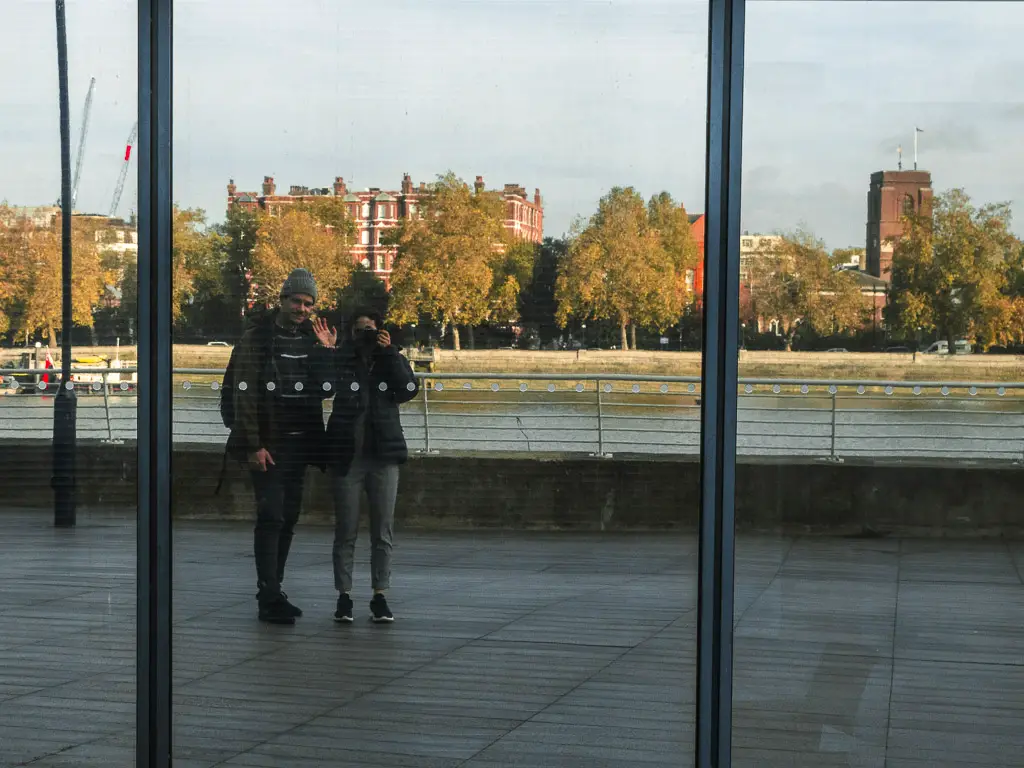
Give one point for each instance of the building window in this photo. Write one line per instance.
(366, 237)
(366, 210)
(381, 262)
(689, 280)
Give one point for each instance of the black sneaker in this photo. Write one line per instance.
(379, 611)
(294, 610)
(276, 612)
(343, 614)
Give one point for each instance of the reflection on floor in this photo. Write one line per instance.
(517, 650)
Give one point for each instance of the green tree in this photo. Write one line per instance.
(538, 297)
(455, 262)
(797, 286)
(238, 236)
(956, 272)
(365, 289)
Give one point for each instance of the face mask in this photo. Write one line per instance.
(367, 338)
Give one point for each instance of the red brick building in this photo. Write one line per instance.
(695, 281)
(375, 211)
(890, 196)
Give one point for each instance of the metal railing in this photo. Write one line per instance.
(605, 415)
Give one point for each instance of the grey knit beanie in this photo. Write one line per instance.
(299, 281)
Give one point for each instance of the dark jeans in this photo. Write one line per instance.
(278, 504)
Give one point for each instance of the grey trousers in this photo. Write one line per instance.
(380, 482)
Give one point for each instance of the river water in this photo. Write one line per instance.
(882, 427)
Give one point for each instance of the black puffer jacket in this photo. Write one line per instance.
(367, 395)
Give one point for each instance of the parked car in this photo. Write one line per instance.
(837, 349)
(961, 347)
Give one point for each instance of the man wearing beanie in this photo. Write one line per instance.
(278, 429)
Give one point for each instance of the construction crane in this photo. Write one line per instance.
(132, 137)
(81, 142)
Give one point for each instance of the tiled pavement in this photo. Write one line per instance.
(517, 650)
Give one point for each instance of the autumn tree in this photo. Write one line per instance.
(32, 279)
(455, 262)
(628, 264)
(797, 286)
(298, 238)
(956, 272)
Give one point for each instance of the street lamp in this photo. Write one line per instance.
(584, 327)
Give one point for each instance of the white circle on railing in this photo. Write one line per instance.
(663, 388)
(1001, 391)
(776, 389)
(523, 387)
(271, 386)
(832, 389)
(383, 386)
(96, 386)
(973, 390)
(804, 389)
(187, 385)
(438, 386)
(495, 387)
(215, 385)
(945, 390)
(326, 386)
(41, 385)
(14, 384)
(749, 388)
(468, 385)
(917, 390)
(242, 386)
(888, 390)
(69, 385)
(607, 387)
(411, 386)
(691, 388)
(579, 387)
(861, 390)
(636, 389)
(551, 387)
(124, 386)
(354, 386)
(299, 386)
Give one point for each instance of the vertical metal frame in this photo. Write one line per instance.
(153, 699)
(719, 372)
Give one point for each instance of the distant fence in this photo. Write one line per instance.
(601, 415)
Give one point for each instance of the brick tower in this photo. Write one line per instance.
(892, 193)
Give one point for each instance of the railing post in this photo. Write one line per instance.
(600, 421)
(426, 417)
(106, 406)
(832, 450)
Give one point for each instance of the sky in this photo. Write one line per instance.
(571, 96)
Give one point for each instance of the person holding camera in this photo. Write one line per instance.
(366, 445)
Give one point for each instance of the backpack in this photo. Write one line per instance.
(227, 401)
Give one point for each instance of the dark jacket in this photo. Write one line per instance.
(257, 409)
(367, 396)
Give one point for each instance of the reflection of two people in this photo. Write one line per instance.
(286, 366)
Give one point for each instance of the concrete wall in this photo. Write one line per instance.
(578, 493)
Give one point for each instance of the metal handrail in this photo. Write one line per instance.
(601, 420)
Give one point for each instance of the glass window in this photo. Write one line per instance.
(68, 389)
(536, 619)
(874, 587)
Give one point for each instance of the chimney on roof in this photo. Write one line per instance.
(406, 184)
(536, 197)
(232, 189)
(478, 185)
(423, 186)
(340, 190)
(269, 187)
